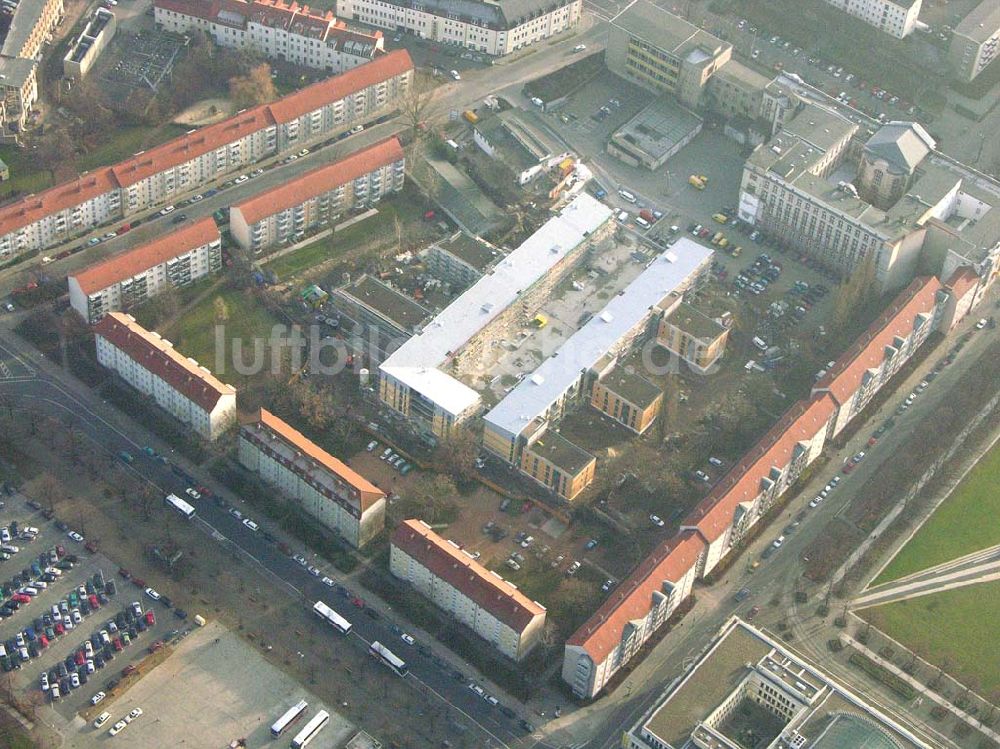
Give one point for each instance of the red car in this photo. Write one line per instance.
(117, 643)
(80, 658)
(752, 613)
(138, 582)
(156, 646)
(359, 603)
(94, 603)
(43, 642)
(91, 546)
(60, 551)
(129, 669)
(22, 598)
(150, 618)
(848, 467)
(124, 573)
(59, 628)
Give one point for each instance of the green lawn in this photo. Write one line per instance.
(955, 629)
(194, 335)
(965, 522)
(25, 177)
(128, 141)
(408, 206)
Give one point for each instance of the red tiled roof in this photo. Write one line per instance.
(490, 591)
(714, 514)
(632, 600)
(191, 145)
(962, 281)
(132, 262)
(321, 180)
(157, 355)
(868, 351)
(368, 493)
(33, 208)
(337, 87)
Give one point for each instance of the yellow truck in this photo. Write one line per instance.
(540, 321)
(720, 217)
(471, 116)
(718, 237)
(735, 252)
(696, 182)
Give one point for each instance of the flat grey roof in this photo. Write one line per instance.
(477, 252)
(659, 127)
(695, 322)
(22, 23)
(632, 387)
(415, 363)
(663, 29)
(16, 70)
(982, 22)
(561, 453)
(388, 302)
(536, 393)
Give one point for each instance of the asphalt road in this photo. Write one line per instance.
(27, 382)
(599, 726)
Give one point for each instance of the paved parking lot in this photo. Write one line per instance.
(213, 689)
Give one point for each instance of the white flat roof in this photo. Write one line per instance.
(415, 362)
(537, 392)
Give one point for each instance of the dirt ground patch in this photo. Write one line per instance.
(214, 688)
(206, 112)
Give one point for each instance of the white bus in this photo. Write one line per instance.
(331, 617)
(388, 658)
(311, 729)
(293, 713)
(172, 500)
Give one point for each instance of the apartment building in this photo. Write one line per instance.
(748, 682)
(975, 41)
(275, 29)
(177, 384)
(635, 610)
(31, 25)
(615, 633)
(336, 496)
(413, 382)
(130, 278)
(319, 197)
(696, 338)
(486, 26)
(182, 165)
(375, 318)
(896, 18)
(464, 589)
(664, 53)
(518, 427)
(887, 345)
(461, 259)
(631, 400)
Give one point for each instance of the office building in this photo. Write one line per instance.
(465, 590)
(524, 149)
(339, 498)
(896, 18)
(487, 26)
(975, 42)
(664, 53)
(692, 335)
(280, 31)
(128, 279)
(378, 315)
(748, 683)
(416, 380)
(804, 191)
(288, 212)
(200, 157)
(655, 134)
(177, 384)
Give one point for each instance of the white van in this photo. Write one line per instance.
(760, 343)
(627, 196)
(642, 222)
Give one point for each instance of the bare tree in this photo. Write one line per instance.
(415, 101)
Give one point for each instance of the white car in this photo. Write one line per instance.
(75, 536)
(778, 542)
(97, 698)
(102, 719)
(314, 571)
(192, 492)
(45, 682)
(74, 680)
(133, 714)
(300, 559)
(168, 209)
(117, 728)
(655, 520)
(304, 152)
(197, 198)
(408, 639)
(152, 594)
(327, 582)
(454, 75)
(371, 446)
(579, 47)
(981, 324)
(235, 513)
(251, 525)
(241, 179)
